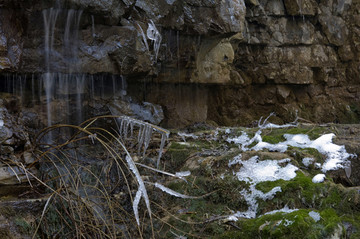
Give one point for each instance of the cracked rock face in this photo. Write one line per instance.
(246, 46)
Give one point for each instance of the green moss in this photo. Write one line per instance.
(179, 146)
(275, 136)
(299, 154)
(297, 224)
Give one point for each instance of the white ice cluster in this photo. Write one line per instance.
(315, 216)
(285, 209)
(319, 178)
(336, 155)
(254, 171)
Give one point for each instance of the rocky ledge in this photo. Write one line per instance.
(250, 57)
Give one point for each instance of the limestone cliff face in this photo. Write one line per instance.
(250, 57)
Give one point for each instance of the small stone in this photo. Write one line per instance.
(28, 158)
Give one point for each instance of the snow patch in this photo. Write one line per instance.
(231, 218)
(276, 126)
(307, 161)
(185, 135)
(288, 222)
(236, 160)
(319, 178)
(1, 123)
(285, 209)
(242, 139)
(254, 171)
(336, 155)
(315, 216)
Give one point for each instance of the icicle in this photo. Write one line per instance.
(143, 36)
(93, 26)
(172, 192)
(147, 138)
(141, 139)
(121, 126)
(154, 35)
(164, 137)
(126, 129)
(131, 129)
(136, 206)
(142, 190)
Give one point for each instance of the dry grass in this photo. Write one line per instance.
(91, 181)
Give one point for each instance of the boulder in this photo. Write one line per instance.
(335, 29)
(213, 63)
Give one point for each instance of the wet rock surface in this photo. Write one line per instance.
(309, 47)
(15, 144)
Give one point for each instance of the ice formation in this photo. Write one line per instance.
(172, 192)
(307, 161)
(127, 124)
(241, 140)
(254, 171)
(336, 155)
(143, 36)
(285, 209)
(185, 135)
(319, 178)
(182, 174)
(235, 160)
(154, 35)
(141, 190)
(315, 216)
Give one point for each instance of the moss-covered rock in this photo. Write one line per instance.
(213, 178)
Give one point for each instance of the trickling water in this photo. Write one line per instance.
(60, 85)
(71, 35)
(93, 26)
(50, 16)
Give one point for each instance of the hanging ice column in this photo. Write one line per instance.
(127, 124)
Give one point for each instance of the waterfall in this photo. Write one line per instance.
(61, 84)
(50, 16)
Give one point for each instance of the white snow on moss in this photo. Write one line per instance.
(184, 135)
(242, 139)
(231, 218)
(235, 160)
(315, 216)
(336, 155)
(254, 171)
(319, 178)
(285, 209)
(307, 161)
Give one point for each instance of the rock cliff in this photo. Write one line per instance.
(227, 61)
